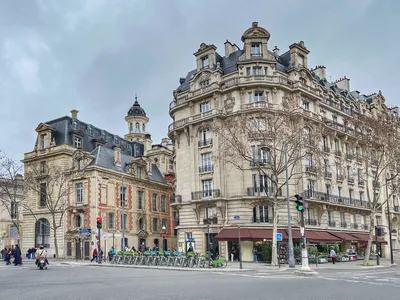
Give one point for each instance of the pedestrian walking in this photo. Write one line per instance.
(17, 256)
(94, 255)
(255, 255)
(333, 255)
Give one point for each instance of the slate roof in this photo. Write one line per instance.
(104, 157)
(65, 127)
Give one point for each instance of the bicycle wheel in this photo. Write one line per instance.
(224, 264)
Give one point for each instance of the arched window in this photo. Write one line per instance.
(130, 127)
(137, 126)
(144, 128)
(78, 221)
(42, 233)
(140, 224)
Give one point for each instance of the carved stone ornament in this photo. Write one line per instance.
(205, 76)
(274, 90)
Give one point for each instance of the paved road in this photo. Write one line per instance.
(64, 282)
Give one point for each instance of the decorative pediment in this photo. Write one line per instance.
(142, 234)
(205, 74)
(256, 32)
(78, 132)
(43, 127)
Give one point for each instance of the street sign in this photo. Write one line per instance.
(190, 240)
(279, 237)
(85, 232)
(236, 217)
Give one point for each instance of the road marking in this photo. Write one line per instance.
(360, 281)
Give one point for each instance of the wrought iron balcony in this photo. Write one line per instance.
(206, 194)
(258, 162)
(328, 175)
(210, 221)
(365, 227)
(325, 197)
(311, 222)
(326, 149)
(262, 220)
(350, 180)
(311, 169)
(338, 153)
(343, 224)
(339, 177)
(396, 208)
(206, 168)
(205, 142)
(349, 156)
(354, 225)
(360, 182)
(262, 191)
(332, 223)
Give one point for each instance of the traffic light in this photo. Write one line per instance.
(299, 203)
(303, 242)
(99, 222)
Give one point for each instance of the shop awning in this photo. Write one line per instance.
(363, 238)
(344, 236)
(246, 234)
(315, 236)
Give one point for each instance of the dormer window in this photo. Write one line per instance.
(204, 62)
(257, 71)
(43, 141)
(79, 163)
(77, 142)
(256, 49)
(90, 130)
(301, 60)
(116, 140)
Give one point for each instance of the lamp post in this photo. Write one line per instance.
(164, 230)
(389, 225)
(122, 196)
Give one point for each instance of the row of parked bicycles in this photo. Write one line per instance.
(168, 259)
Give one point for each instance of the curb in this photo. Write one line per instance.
(166, 268)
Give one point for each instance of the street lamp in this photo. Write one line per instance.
(290, 237)
(164, 230)
(389, 224)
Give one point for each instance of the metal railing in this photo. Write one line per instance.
(332, 223)
(262, 220)
(262, 191)
(206, 195)
(325, 197)
(311, 222)
(343, 224)
(206, 168)
(205, 142)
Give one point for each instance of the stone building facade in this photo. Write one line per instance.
(257, 77)
(101, 170)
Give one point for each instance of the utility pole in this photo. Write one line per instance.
(304, 254)
(240, 249)
(99, 224)
(291, 250)
(123, 214)
(208, 242)
(389, 225)
(377, 233)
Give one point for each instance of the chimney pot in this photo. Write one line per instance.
(254, 24)
(74, 113)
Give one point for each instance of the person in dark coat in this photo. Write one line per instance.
(17, 256)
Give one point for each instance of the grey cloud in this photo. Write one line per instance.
(19, 13)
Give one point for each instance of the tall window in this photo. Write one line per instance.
(206, 162)
(43, 167)
(306, 105)
(258, 96)
(256, 49)
(205, 107)
(141, 224)
(139, 172)
(311, 188)
(339, 192)
(42, 233)
(43, 141)
(164, 225)
(140, 199)
(207, 186)
(137, 127)
(204, 62)
(260, 214)
(331, 216)
(78, 221)
(122, 196)
(79, 163)
(43, 194)
(260, 183)
(163, 203)
(325, 144)
(124, 221)
(154, 202)
(342, 219)
(155, 225)
(14, 210)
(337, 147)
(130, 127)
(111, 221)
(79, 192)
(361, 196)
(257, 71)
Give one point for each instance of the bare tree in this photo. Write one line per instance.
(258, 139)
(11, 190)
(379, 137)
(50, 181)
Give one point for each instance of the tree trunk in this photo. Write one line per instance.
(371, 235)
(274, 254)
(55, 236)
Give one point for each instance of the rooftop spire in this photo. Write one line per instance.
(136, 102)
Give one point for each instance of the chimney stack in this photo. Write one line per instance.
(276, 51)
(164, 141)
(343, 83)
(228, 48)
(117, 156)
(320, 71)
(74, 114)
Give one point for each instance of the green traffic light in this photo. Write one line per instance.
(300, 208)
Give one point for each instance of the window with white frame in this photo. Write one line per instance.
(204, 62)
(205, 137)
(163, 203)
(164, 225)
(155, 225)
(256, 49)
(331, 216)
(206, 162)
(325, 144)
(77, 142)
(207, 187)
(258, 96)
(306, 104)
(259, 155)
(130, 127)
(349, 172)
(124, 222)
(250, 97)
(260, 183)
(361, 195)
(154, 202)
(311, 188)
(337, 146)
(248, 71)
(79, 163)
(351, 195)
(309, 161)
(338, 171)
(339, 192)
(205, 108)
(139, 172)
(140, 199)
(257, 71)
(43, 141)
(79, 192)
(111, 221)
(261, 214)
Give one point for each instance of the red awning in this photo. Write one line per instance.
(364, 237)
(246, 234)
(315, 236)
(344, 236)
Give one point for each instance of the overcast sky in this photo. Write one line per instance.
(94, 55)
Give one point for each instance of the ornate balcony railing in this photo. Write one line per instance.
(326, 149)
(181, 123)
(350, 180)
(396, 208)
(262, 191)
(262, 220)
(311, 222)
(205, 142)
(210, 221)
(311, 169)
(258, 162)
(328, 175)
(354, 225)
(339, 177)
(328, 198)
(206, 194)
(206, 168)
(332, 223)
(343, 224)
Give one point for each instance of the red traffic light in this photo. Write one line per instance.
(99, 219)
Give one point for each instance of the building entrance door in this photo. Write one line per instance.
(78, 249)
